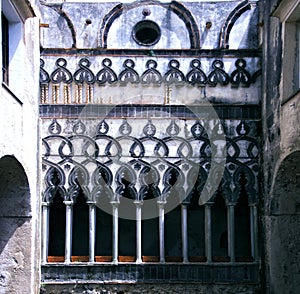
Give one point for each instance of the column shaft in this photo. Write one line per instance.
(184, 233)
(45, 241)
(138, 232)
(69, 227)
(92, 231)
(161, 232)
(231, 232)
(208, 245)
(115, 232)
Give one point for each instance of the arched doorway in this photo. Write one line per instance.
(15, 228)
(285, 227)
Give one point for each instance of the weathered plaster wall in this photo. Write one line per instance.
(68, 25)
(281, 176)
(19, 235)
(243, 34)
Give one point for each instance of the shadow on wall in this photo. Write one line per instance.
(14, 198)
(285, 227)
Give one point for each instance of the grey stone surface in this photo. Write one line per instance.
(281, 156)
(151, 289)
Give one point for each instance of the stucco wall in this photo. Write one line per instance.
(19, 140)
(68, 26)
(281, 141)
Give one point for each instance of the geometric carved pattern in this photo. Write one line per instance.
(119, 162)
(195, 76)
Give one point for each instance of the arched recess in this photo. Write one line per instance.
(60, 25)
(285, 227)
(15, 232)
(230, 21)
(180, 10)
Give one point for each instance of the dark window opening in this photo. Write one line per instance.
(5, 49)
(242, 223)
(127, 227)
(103, 236)
(127, 244)
(57, 225)
(196, 234)
(150, 232)
(173, 246)
(146, 33)
(219, 229)
(80, 244)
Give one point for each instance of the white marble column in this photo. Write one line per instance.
(161, 210)
(184, 233)
(92, 230)
(138, 231)
(69, 228)
(231, 232)
(208, 244)
(115, 216)
(45, 231)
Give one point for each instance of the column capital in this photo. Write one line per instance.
(114, 203)
(209, 204)
(90, 202)
(68, 203)
(138, 202)
(231, 204)
(253, 204)
(185, 203)
(161, 202)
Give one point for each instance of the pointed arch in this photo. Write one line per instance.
(64, 15)
(230, 21)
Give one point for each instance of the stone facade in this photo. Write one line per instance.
(142, 106)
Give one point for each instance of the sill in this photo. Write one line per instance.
(103, 258)
(6, 87)
(150, 259)
(221, 259)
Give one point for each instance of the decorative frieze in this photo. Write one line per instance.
(90, 84)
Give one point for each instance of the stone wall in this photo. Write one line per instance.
(189, 288)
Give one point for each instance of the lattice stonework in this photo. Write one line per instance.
(154, 165)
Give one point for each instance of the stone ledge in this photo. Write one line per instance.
(150, 273)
